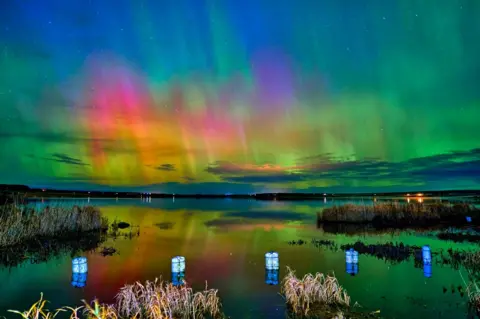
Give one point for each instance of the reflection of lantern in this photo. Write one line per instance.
(271, 260)
(427, 270)
(79, 265)
(178, 264)
(426, 255)
(271, 276)
(79, 280)
(351, 268)
(178, 278)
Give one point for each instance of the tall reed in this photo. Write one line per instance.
(151, 300)
(312, 291)
(20, 223)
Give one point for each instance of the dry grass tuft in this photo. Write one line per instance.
(394, 213)
(152, 300)
(313, 291)
(21, 224)
(158, 299)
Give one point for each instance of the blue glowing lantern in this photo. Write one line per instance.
(427, 270)
(349, 256)
(352, 269)
(271, 276)
(178, 278)
(426, 255)
(178, 264)
(271, 260)
(469, 219)
(79, 265)
(79, 280)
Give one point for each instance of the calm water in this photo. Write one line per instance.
(224, 242)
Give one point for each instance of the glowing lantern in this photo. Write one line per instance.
(178, 278)
(352, 269)
(178, 264)
(355, 257)
(271, 260)
(271, 277)
(426, 255)
(79, 265)
(349, 256)
(79, 280)
(469, 219)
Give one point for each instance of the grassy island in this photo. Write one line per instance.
(394, 214)
(21, 224)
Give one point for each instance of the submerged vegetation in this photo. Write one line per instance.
(36, 252)
(152, 300)
(400, 214)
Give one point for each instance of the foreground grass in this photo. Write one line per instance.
(21, 224)
(153, 300)
(399, 214)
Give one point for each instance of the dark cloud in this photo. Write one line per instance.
(166, 167)
(454, 166)
(60, 158)
(63, 158)
(189, 179)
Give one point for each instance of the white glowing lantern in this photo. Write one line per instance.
(426, 255)
(79, 265)
(178, 264)
(349, 256)
(271, 260)
(355, 257)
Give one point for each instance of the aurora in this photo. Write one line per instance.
(230, 96)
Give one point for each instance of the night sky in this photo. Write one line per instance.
(240, 96)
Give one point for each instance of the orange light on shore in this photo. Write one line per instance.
(419, 194)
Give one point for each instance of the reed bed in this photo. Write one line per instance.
(150, 300)
(158, 299)
(20, 224)
(313, 293)
(473, 293)
(395, 213)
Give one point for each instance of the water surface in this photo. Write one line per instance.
(224, 242)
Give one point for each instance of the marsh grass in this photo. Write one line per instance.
(473, 293)
(153, 300)
(313, 293)
(468, 259)
(399, 214)
(159, 299)
(20, 223)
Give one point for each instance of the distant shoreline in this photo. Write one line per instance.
(25, 191)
